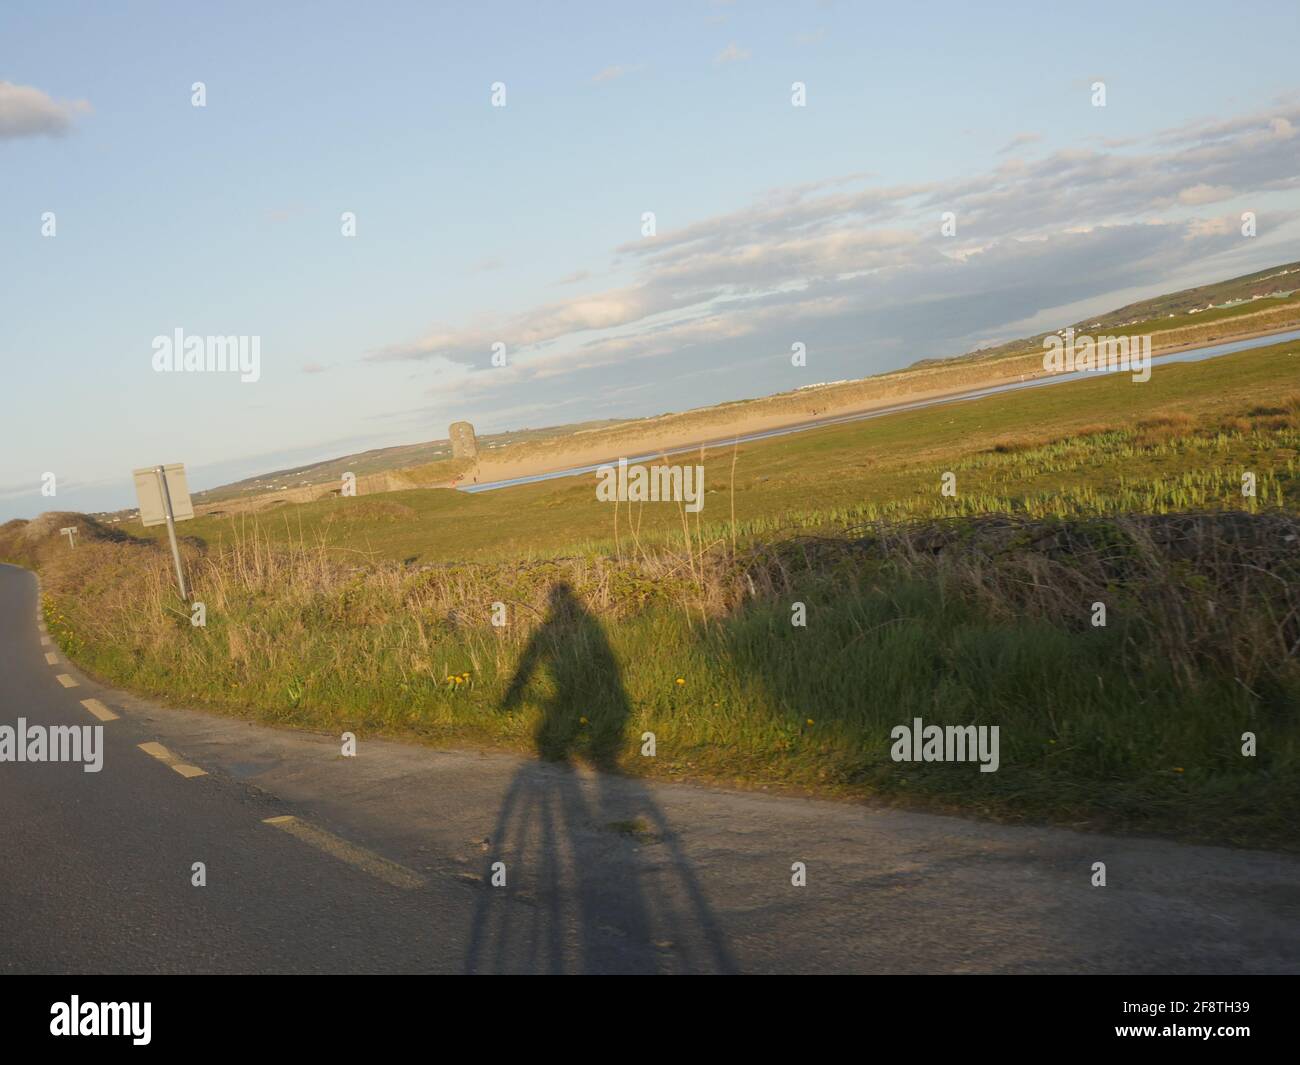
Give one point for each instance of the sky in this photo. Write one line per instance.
(127, 212)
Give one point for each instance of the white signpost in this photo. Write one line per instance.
(165, 497)
(70, 531)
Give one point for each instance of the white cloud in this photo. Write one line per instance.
(1020, 140)
(611, 73)
(859, 264)
(1203, 193)
(28, 112)
(733, 53)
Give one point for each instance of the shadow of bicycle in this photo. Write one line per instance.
(596, 879)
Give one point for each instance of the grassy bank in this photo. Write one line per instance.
(972, 609)
(1132, 726)
(1135, 725)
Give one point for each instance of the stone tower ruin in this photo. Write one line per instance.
(464, 445)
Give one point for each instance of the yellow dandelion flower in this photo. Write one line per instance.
(681, 680)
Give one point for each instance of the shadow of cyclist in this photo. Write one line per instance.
(596, 878)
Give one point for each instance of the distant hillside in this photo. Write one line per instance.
(1248, 288)
(379, 460)
(1205, 303)
(1181, 316)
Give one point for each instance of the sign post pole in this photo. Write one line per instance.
(164, 496)
(171, 530)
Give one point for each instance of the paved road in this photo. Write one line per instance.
(386, 864)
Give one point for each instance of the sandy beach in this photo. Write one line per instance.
(714, 427)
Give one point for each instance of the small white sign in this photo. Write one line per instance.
(149, 491)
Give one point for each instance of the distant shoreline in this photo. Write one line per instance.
(491, 469)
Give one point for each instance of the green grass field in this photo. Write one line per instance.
(374, 614)
(824, 478)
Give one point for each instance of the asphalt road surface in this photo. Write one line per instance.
(384, 863)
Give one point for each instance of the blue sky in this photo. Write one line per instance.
(774, 224)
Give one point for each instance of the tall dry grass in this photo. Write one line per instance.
(983, 618)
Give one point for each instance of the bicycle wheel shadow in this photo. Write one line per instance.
(596, 879)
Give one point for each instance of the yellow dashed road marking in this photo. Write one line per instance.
(99, 709)
(157, 750)
(189, 770)
(51, 658)
(66, 681)
(367, 861)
